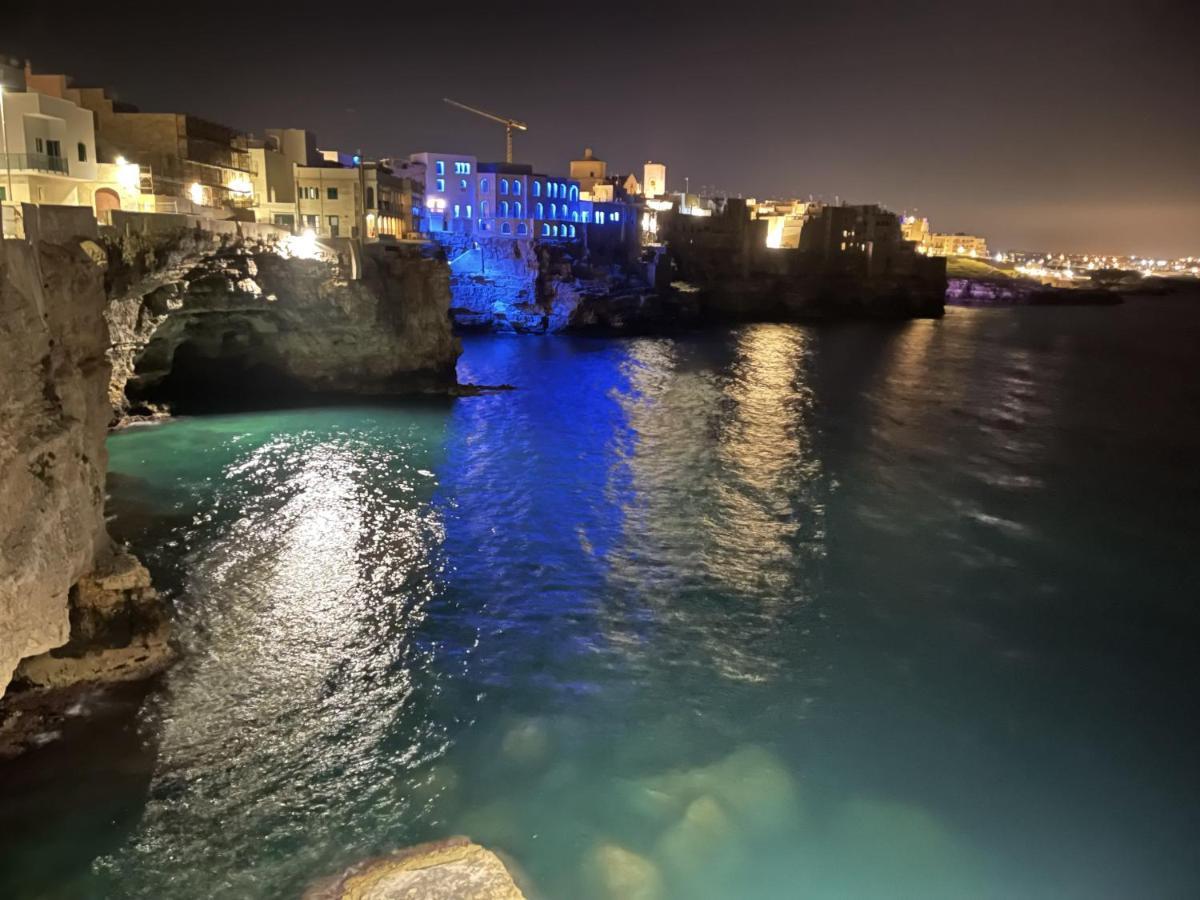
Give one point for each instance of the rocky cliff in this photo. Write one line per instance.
(57, 564)
(195, 318)
(223, 321)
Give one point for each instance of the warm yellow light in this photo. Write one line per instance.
(241, 186)
(196, 192)
(129, 175)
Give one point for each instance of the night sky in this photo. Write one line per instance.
(1064, 126)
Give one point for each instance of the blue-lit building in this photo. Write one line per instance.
(499, 199)
(450, 203)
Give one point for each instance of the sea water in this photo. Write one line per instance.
(767, 612)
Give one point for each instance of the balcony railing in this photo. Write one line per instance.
(34, 162)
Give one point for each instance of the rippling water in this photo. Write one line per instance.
(772, 612)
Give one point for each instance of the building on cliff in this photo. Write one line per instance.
(49, 154)
(466, 197)
(845, 255)
(934, 243)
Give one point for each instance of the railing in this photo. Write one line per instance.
(34, 162)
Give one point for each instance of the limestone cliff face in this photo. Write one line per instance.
(191, 315)
(53, 416)
(208, 328)
(525, 286)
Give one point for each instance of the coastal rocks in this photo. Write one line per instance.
(1023, 292)
(53, 417)
(452, 869)
(525, 286)
(250, 323)
(118, 631)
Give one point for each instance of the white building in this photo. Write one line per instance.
(48, 154)
(449, 191)
(654, 180)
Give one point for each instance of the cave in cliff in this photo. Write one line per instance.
(220, 365)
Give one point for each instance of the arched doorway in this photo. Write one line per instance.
(106, 199)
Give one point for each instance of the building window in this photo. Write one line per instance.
(440, 185)
(616, 217)
(545, 230)
(3, 194)
(457, 211)
(483, 208)
(310, 222)
(462, 168)
(503, 209)
(572, 231)
(574, 192)
(506, 228)
(516, 187)
(551, 189)
(309, 193)
(334, 226)
(541, 210)
(575, 216)
(537, 189)
(82, 148)
(38, 145)
(554, 210)
(462, 184)
(599, 217)
(522, 228)
(370, 197)
(331, 193)
(440, 167)
(504, 185)
(483, 185)
(562, 190)
(516, 209)
(553, 231)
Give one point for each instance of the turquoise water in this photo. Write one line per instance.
(772, 612)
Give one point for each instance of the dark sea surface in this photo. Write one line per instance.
(771, 612)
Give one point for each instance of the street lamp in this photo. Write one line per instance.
(8, 191)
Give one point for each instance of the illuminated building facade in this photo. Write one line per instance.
(588, 172)
(654, 180)
(956, 245)
(450, 191)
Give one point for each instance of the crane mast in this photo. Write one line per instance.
(509, 124)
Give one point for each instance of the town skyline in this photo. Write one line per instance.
(924, 118)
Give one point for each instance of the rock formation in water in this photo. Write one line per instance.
(213, 320)
(1023, 292)
(452, 869)
(64, 589)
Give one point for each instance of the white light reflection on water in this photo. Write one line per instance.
(282, 715)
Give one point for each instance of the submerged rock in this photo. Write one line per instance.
(452, 869)
(621, 874)
(751, 783)
(527, 744)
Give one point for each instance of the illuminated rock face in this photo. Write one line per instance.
(525, 286)
(53, 385)
(246, 324)
(453, 869)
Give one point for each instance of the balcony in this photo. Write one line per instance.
(34, 162)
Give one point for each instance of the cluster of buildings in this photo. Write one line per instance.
(934, 243)
(69, 145)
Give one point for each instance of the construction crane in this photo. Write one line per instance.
(509, 124)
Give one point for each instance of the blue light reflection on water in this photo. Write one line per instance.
(772, 612)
